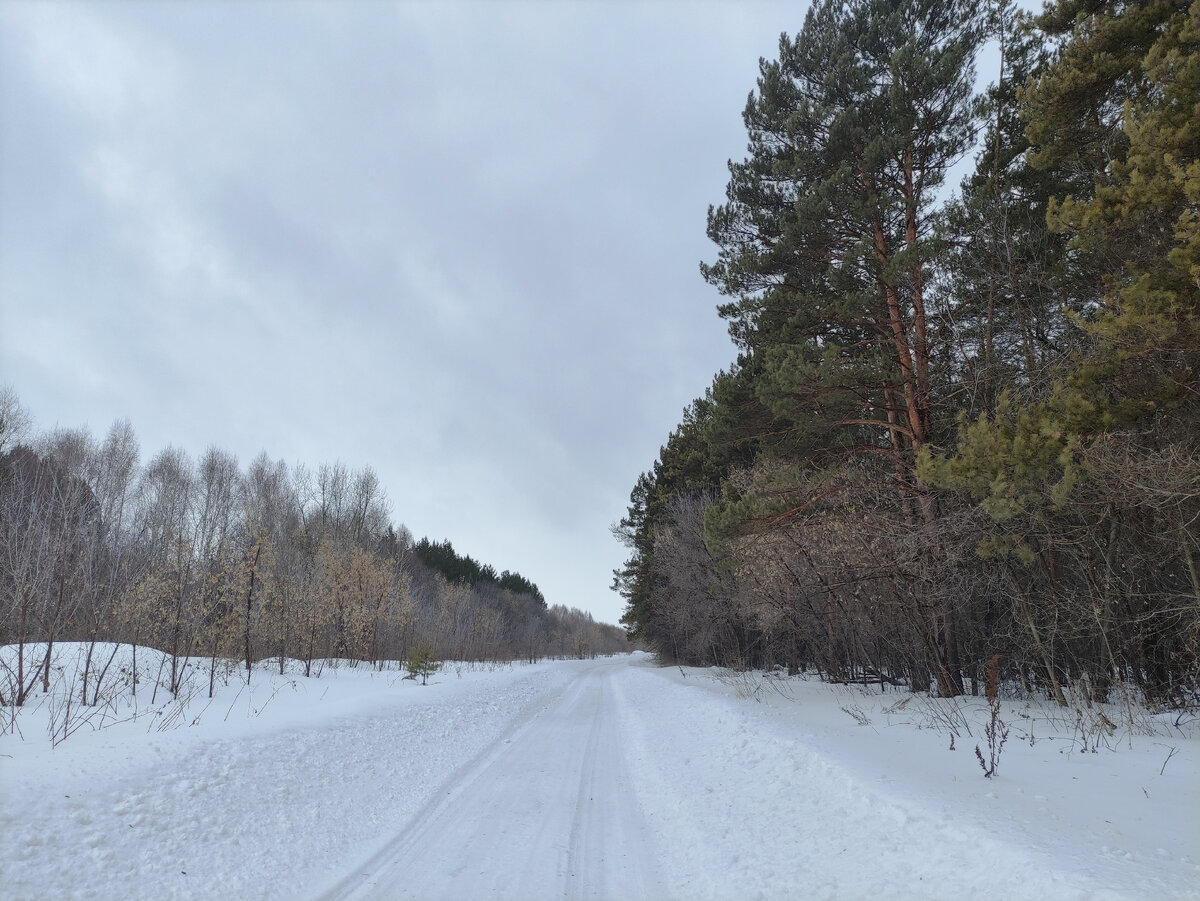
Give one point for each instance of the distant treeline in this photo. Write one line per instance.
(441, 557)
(205, 558)
(958, 426)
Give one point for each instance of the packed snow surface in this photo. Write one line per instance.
(592, 779)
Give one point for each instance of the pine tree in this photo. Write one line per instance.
(1143, 217)
(1005, 270)
(827, 237)
(422, 664)
(696, 458)
(1129, 78)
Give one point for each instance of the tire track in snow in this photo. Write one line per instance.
(609, 836)
(267, 815)
(546, 813)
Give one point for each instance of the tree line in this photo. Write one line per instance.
(441, 557)
(960, 424)
(204, 559)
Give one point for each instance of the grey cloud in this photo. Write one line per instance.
(456, 242)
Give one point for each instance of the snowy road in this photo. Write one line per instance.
(629, 781)
(601, 779)
(548, 813)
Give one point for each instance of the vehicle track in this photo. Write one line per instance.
(547, 813)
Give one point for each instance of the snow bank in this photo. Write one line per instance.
(753, 786)
(262, 792)
(757, 782)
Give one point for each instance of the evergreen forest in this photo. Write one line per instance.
(963, 424)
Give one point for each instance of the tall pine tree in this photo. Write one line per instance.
(827, 234)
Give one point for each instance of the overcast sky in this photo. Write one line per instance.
(458, 243)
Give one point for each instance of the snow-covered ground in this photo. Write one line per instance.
(607, 778)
